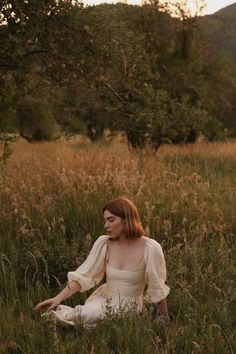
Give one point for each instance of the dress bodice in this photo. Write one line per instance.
(125, 282)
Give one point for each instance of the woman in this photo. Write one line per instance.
(130, 260)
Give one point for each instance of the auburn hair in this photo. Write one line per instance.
(126, 210)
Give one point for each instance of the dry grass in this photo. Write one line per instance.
(51, 197)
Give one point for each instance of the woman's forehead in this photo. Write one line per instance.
(108, 214)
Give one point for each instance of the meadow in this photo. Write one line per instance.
(51, 197)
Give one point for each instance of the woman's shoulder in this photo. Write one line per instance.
(100, 244)
(101, 240)
(152, 245)
(103, 237)
(153, 253)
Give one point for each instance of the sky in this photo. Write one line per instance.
(211, 5)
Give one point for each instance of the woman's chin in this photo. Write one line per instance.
(111, 236)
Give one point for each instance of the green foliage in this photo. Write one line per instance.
(214, 130)
(6, 140)
(35, 119)
(7, 106)
(7, 151)
(165, 120)
(110, 66)
(179, 121)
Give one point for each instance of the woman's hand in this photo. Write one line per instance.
(48, 304)
(163, 309)
(52, 303)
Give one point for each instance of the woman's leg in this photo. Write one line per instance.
(91, 313)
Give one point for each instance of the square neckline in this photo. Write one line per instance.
(127, 270)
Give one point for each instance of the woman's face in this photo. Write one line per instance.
(114, 225)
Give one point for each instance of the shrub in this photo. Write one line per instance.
(35, 119)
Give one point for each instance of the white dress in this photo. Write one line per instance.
(123, 290)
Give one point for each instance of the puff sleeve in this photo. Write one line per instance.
(155, 274)
(91, 272)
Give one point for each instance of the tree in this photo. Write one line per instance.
(165, 120)
(120, 67)
(35, 119)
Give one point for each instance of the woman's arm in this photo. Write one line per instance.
(52, 303)
(162, 307)
(71, 288)
(87, 275)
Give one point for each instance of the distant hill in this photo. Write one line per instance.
(220, 29)
(227, 12)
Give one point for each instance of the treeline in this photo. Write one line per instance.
(74, 69)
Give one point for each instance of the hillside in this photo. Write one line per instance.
(220, 29)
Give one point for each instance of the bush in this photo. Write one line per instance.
(215, 130)
(165, 120)
(36, 119)
(7, 109)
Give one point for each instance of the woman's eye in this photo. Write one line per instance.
(109, 220)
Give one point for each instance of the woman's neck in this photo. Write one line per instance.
(124, 241)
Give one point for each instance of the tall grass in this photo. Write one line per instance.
(51, 197)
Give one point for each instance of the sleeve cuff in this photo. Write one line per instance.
(84, 282)
(155, 296)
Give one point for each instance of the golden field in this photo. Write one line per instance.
(51, 197)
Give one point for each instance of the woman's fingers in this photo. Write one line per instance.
(52, 307)
(43, 304)
(51, 303)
